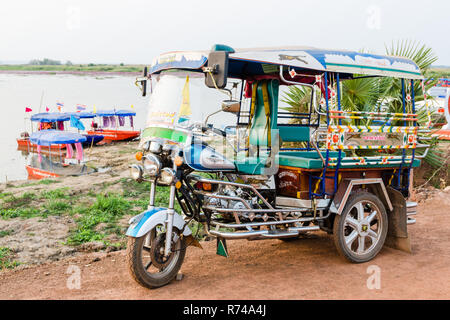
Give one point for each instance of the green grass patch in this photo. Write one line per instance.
(19, 213)
(39, 182)
(106, 209)
(56, 207)
(60, 193)
(13, 202)
(5, 194)
(5, 233)
(6, 261)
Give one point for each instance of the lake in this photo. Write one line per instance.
(18, 91)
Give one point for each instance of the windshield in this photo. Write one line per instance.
(181, 98)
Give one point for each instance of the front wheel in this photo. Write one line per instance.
(146, 261)
(361, 229)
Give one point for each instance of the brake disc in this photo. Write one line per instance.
(157, 250)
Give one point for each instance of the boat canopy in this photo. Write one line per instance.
(50, 117)
(82, 115)
(49, 137)
(260, 61)
(121, 113)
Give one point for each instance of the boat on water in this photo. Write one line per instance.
(112, 125)
(56, 121)
(45, 121)
(45, 166)
(91, 139)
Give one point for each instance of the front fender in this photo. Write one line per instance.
(147, 220)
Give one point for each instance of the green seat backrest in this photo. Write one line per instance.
(258, 131)
(293, 134)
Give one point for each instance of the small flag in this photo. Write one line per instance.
(221, 248)
(76, 123)
(59, 105)
(132, 107)
(81, 107)
(28, 109)
(94, 110)
(185, 108)
(47, 109)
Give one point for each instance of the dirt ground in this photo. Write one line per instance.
(308, 268)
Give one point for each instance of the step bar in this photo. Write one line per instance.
(263, 234)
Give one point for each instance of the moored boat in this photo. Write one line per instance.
(45, 121)
(42, 166)
(110, 125)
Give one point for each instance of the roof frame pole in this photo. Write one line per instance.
(338, 95)
(413, 154)
(403, 99)
(326, 97)
(336, 173)
(324, 172)
(404, 124)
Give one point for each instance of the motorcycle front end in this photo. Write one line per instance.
(157, 237)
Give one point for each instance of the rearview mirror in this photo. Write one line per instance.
(231, 106)
(217, 69)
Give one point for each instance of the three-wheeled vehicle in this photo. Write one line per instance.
(264, 144)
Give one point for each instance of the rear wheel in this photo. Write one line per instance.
(361, 229)
(146, 261)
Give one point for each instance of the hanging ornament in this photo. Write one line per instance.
(292, 73)
(322, 102)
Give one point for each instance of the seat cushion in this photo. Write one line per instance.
(297, 159)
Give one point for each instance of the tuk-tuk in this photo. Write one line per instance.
(244, 163)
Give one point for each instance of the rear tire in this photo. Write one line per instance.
(360, 231)
(135, 249)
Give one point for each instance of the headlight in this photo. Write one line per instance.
(155, 147)
(152, 165)
(136, 172)
(167, 177)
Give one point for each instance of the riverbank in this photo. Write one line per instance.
(46, 220)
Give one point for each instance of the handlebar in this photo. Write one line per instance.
(215, 130)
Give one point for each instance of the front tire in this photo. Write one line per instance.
(143, 254)
(361, 229)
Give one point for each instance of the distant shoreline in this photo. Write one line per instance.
(102, 69)
(55, 72)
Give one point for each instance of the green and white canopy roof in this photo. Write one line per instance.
(319, 60)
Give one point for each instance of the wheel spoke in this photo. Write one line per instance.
(371, 216)
(351, 221)
(361, 241)
(360, 208)
(373, 235)
(148, 265)
(351, 237)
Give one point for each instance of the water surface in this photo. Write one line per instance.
(18, 91)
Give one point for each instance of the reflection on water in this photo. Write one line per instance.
(20, 91)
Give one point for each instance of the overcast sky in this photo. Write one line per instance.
(135, 31)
